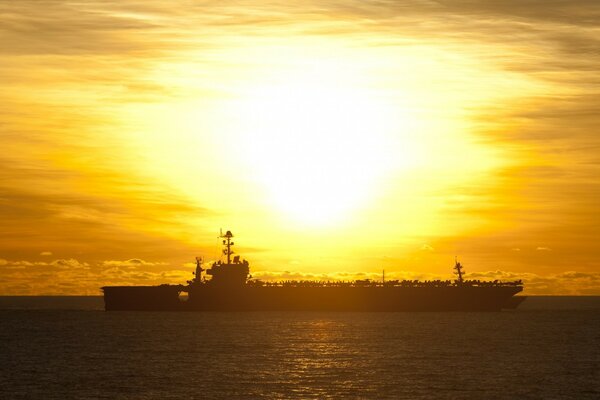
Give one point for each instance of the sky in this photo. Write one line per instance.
(336, 139)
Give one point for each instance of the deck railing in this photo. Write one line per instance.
(391, 283)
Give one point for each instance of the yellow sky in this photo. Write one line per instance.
(333, 138)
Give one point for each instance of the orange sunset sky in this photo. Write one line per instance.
(334, 138)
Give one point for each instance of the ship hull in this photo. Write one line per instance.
(323, 298)
(142, 298)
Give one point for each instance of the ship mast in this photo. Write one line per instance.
(227, 243)
(459, 270)
(199, 269)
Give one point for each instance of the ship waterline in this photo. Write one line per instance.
(298, 298)
(231, 290)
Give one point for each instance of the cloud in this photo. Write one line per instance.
(563, 283)
(46, 253)
(60, 263)
(72, 276)
(132, 263)
(76, 277)
(69, 263)
(426, 247)
(107, 223)
(70, 70)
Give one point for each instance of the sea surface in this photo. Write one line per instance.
(69, 348)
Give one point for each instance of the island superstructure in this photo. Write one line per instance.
(230, 288)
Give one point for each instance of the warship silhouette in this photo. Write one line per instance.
(230, 288)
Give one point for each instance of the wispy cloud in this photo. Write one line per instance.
(132, 263)
(70, 182)
(74, 277)
(71, 276)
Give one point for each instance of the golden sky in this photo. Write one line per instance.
(334, 138)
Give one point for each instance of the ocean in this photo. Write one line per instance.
(69, 348)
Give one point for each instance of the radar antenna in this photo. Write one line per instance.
(227, 243)
(459, 270)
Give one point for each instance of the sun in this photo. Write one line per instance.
(324, 136)
(320, 146)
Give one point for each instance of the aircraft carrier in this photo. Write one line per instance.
(227, 286)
